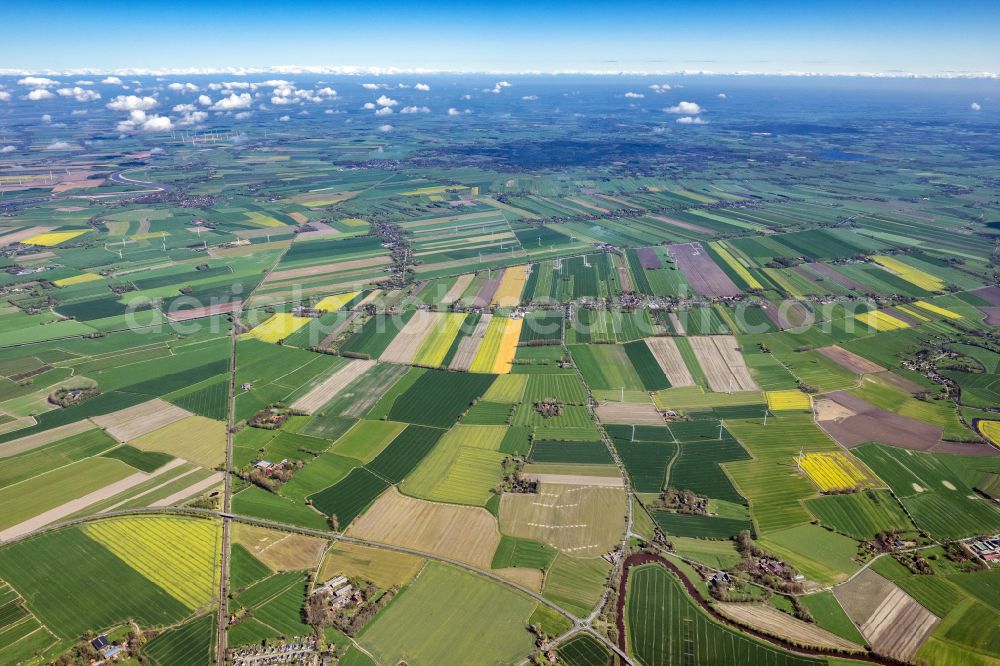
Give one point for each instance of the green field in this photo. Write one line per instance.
(860, 515)
(348, 498)
(448, 611)
(665, 627)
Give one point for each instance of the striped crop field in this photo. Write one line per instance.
(788, 400)
(77, 279)
(53, 238)
(508, 294)
(938, 310)
(277, 327)
(435, 346)
(735, 264)
(835, 471)
(180, 555)
(336, 302)
(912, 275)
(881, 321)
(499, 345)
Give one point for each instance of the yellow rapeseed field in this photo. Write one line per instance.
(734, 263)
(508, 346)
(508, 293)
(938, 310)
(912, 312)
(337, 301)
(76, 279)
(262, 220)
(881, 321)
(181, 555)
(277, 327)
(914, 276)
(53, 238)
(990, 430)
(788, 400)
(834, 471)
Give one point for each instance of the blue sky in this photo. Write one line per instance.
(850, 36)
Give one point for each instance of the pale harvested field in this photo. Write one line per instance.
(22, 444)
(668, 357)
(328, 389)
(323, 269)
(372, 295)
(21, 234)
(588, 205)
(722, 363)
(281, 551)
(583, 521)
(196, 438)
(642, 413)
(457, 289)
(204, 311)
(850, 360)
(899, 626)
(467, 534)
(468, 346)
(682, 225)
(132, 422)
(383, 567)
(862, 596)
(774, 622)
(298, 217)
(675, 321)
(405, 345)
(485, 216)
(529, 578)
(194, 489)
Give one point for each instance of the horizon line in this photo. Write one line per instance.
(397, 71)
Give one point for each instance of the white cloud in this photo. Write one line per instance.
(193, 118)
(721, 95)
(975, 106)
(243, 115)
(204, 100)
(466, 96)
(368, 106)
(132, 103)
(374, 86)
(498, 87)
(634, 95)
(386, 101)
(690, 120)
(455, 112)
(384, 111)
(422, 87)
(284, 119)
(234, 101)
(7, 149)
(326, 92)
(4, 96)
(46, 118)
(61, 145)
(183, 87)
(530, 98)
(184, 108)
(84, 82)
(80, 94)
(78, 112)
(37, 82)
(504, 84)
(659, 88)
(38, 94)
(112, 81)
(157, 124)
(385, 128)
(685, 108)
(414, 109)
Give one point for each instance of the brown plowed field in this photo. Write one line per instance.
(127, 424)
(464, 533)
(850, 360)
(773, 621)
(991, 294)
(722, 363)
(668, 357)
(839, 278)
(702, 273)
(858, 422)
(641, 413)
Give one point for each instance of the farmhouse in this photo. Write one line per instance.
(987, 548)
